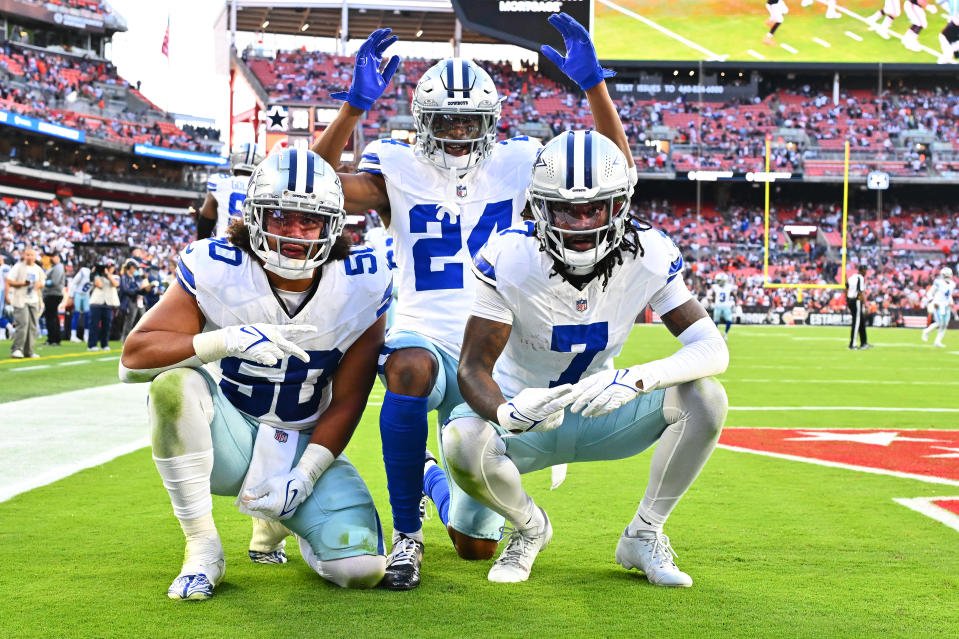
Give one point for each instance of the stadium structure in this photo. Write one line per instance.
(787, 155)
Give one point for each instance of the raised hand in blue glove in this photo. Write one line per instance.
(368, 82)
(580, 63)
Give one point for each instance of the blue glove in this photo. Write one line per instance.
(368, 83)
(580, 63)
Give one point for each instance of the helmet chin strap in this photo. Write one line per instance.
(580, 271)
(286, 272)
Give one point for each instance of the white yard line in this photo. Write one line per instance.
(792, 50)
(864, 382)
(20, 369)
(871, 409)
(854, 36)
(864, 469)
(925, 506)
(710, 55)
(755, 54)
(44, 439)
(821, 42)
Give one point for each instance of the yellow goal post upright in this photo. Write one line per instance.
(800, 287)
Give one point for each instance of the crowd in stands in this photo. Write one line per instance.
(732, 242)
(899, 256)
(87, 94)
(83, 233)
(806, 128)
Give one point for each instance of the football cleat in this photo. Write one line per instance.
(516, 561)
(651, 554)
(203, 568)
(269, 542)
(272, 557)
(403, 564)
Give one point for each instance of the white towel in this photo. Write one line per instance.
(273, 453)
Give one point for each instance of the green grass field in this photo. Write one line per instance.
(733, 30)
(777, 548)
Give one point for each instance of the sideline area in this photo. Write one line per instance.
(46, 438)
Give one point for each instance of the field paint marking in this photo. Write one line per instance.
(863, 469)
(874, 409)
(792, 50)
(756, 54)
(44, 358)
(75, 363)
(854, 36)
(39, 445)
(666, 32)
(857, 369)
(28, 368)
(924, 506)
(839, 381)
(821, 42)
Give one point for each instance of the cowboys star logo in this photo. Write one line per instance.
(277, 118)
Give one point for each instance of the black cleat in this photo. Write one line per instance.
(403, 565)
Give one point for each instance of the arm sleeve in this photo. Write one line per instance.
(489, 304)
(204, 227)
(703, 353)
(670, 296)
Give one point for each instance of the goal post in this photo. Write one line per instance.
(768, 178)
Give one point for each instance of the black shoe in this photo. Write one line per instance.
(865, 347)
(854, 348)
(403, 565)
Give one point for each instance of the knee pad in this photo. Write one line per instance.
(361, 571)
(181, 410)
(466, 441)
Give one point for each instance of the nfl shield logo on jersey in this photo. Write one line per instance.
(581, 305)
(460, 190)
(281, 436)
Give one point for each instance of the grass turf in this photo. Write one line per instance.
(777, 548)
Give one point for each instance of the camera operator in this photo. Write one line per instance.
(152, 295)
(56, 278)
(104, 300)
(132, 287)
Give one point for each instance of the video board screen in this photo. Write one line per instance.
(808, 31)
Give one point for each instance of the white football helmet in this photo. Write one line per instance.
(244, 159)
(721, 278)
(579, 195)
(946, 272)
(294, 185)
(455, 107)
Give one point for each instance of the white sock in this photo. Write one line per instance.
(418, 535)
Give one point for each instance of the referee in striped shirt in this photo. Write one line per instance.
(856, 301)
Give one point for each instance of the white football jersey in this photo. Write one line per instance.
(229, 191)
(438, 222)
(231, 289)
(561, 334)
(941, 292)
(723, 296)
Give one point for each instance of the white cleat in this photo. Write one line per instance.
(203, 568)
(925, 336)
(516, 561)
(938, 344)
(268, 544)
(651, 554)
